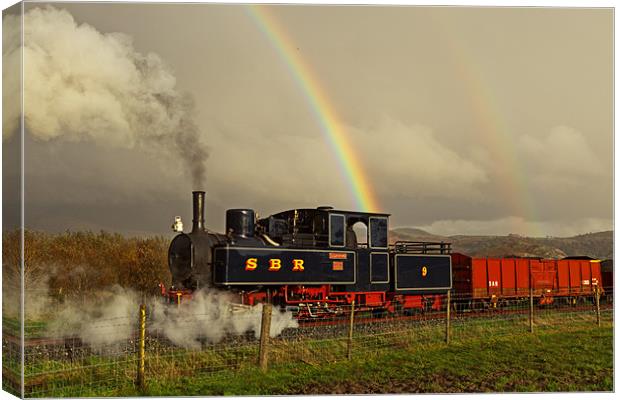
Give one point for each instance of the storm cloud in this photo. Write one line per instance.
(84, 85)
(444, 108)
(564, 156)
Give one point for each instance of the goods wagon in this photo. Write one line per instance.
(487, 281)
(607, 271)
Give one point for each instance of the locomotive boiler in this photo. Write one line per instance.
(309, 261)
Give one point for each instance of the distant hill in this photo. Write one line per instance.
(417, 234)
(598, 245)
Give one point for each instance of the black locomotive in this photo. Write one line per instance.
(309, 261)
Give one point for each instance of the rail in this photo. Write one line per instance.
(410, 247)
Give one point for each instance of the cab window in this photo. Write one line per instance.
(379, 232)
(336, 230)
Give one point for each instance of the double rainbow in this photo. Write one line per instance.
(332, 128)
(493, 132)
(491, 128)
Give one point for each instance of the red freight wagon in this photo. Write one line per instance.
(578, 277)
(607, 275)
(489, 280)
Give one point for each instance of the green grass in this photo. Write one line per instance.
(32, 328)
(483, 356)
(579, 360)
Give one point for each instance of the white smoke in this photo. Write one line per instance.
(109, 319)
(209, 316)
(81, 84)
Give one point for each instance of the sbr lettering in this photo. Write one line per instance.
(275, 264)
(251, 264)
(298, 265)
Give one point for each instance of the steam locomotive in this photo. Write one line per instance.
(312, 262)
(309, 261)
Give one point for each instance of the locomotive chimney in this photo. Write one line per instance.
(198, 221)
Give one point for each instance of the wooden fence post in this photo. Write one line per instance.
(448, 318)
(350, 340)
(597, 295)
(265, 327)
(141, 348)
(531, 309)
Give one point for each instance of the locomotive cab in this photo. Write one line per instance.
(325, 227)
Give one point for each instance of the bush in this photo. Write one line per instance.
(78, 264)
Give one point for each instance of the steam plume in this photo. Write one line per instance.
(208, 316)
(112, 319)
(98, 322)
(81, 84)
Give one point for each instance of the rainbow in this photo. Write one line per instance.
(496, 135)
(493, 131)
(324, 111)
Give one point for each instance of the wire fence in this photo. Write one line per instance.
(99, 363)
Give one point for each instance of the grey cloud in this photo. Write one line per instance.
(564, 151)
(446, 83)
(83, 85)
(400, 157)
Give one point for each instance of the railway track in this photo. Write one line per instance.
(313, 326)
(455, 315)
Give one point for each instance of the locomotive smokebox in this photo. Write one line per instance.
(198, 221)
(240, 222)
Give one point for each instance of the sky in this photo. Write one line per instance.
(453, 120)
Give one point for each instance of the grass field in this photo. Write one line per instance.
(564, 354)
(578, 359)
(567, 352)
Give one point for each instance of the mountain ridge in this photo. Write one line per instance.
(596, 244)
